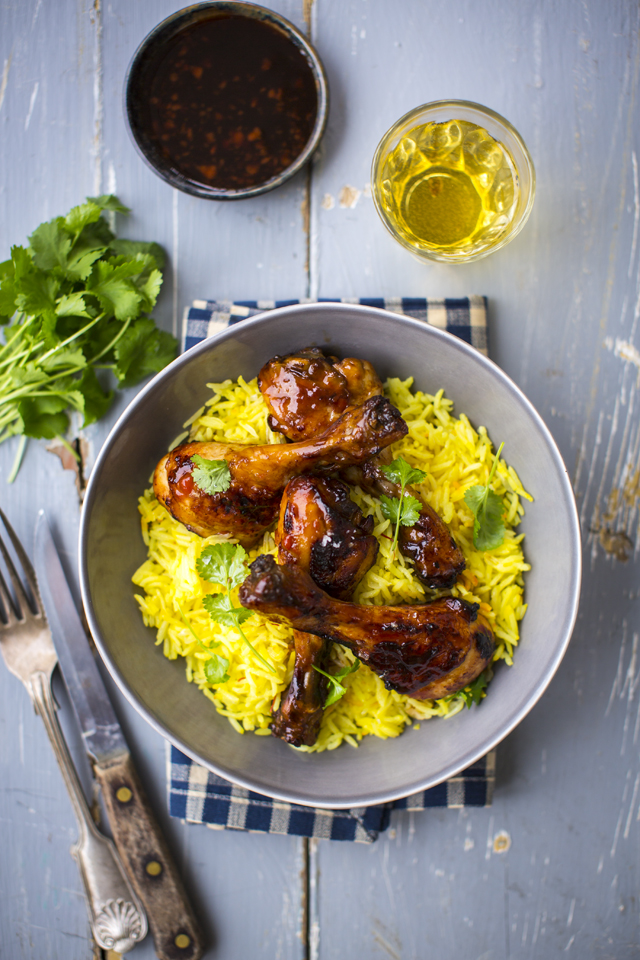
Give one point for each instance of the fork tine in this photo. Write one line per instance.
(6, 605)
(27, 570)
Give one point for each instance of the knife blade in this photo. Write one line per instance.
(136, 833)
(99, 725)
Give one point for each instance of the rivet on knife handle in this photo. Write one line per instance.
(146, 856)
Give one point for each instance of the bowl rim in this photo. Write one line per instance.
(255, 12)
(472, 755)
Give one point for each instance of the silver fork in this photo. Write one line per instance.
(117, 918)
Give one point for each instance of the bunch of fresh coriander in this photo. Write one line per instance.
(73, 302)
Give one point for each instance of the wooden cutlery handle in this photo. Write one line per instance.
(146, 856)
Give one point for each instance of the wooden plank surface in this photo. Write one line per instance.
(552, 867)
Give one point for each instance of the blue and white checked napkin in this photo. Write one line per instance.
(199, 796)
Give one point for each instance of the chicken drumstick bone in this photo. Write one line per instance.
(259, 474)
(322, 531)
(426, 651)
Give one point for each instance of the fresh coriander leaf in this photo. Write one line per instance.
(44, 302)
(71, 305)
(143, 350)
(114, 289)
(217, 560)
(487, 509)
(405, 511)
(337, 689)
(80, 262)
(27, 376)
(37, 292)
(22, 263)
(94, 236)
(222, 610)
(403, 473)
(473, 692)
(215, 669)
(402, 510)
(43, 417)
(8, 292)
(238, 568)
(225, 564)
(78, 217)
(410, 508)
(95, 401)
(64, 359)
(51, 244)
(130, 248)
(212, 476)
(7, 269)
(108, 201)
(390, 507)
(149, 287)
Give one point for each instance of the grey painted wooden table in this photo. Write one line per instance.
(564, 310)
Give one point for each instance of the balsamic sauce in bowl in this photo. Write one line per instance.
(226, 100)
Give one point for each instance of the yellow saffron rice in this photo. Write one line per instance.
(454, 457)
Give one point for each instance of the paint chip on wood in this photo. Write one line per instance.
(624, 350)
(349, 196)
(501, 842)
(328, 202)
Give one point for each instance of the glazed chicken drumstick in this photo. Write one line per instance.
(322, 531)
(426, 651)
(306, 392)
(260, 473)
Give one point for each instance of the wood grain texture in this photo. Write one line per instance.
(551, 870)
(148, 860)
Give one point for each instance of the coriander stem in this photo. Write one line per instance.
(70, 339)
(15, 357)
(192, 631)
(397, 531)
(495, 463)
(22, 446)
(18, 333)
(254, 651)
(67, 445)
(113, 342)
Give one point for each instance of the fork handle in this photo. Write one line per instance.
(117, 918)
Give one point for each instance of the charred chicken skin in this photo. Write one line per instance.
(322, 531)
(437, 559)
(307, 391)
(259, 474)
(426, 651)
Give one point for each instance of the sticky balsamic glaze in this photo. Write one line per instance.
(231, 103)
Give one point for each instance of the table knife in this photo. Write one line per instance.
(135, 830)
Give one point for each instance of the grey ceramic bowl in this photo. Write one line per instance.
(111, 549)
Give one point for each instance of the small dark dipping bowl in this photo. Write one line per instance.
(226, 100)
